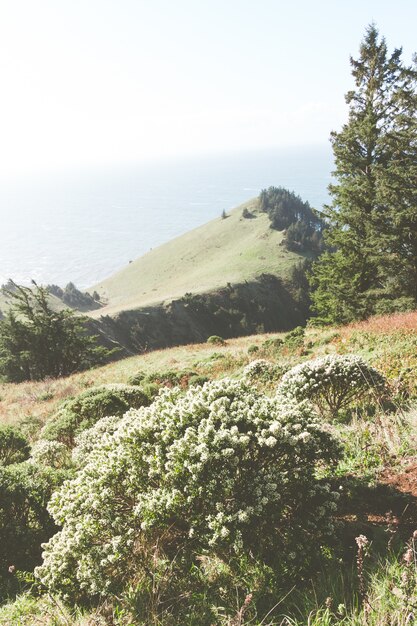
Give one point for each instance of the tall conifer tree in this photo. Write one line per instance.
(372, 164)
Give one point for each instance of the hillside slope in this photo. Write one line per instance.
(231, 250)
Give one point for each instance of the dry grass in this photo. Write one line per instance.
(385, 324)
(40, 399)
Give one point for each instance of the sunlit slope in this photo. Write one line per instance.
(232, 250)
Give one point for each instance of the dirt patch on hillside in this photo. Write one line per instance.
(405, 481)
(386, 512)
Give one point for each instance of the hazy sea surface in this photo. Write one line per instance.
(85, 226)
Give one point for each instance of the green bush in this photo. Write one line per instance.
(272, 342)
(295, 338)
(24, 520)
(84, 410)
(150, 390)
(30, 425)
(137, 378)
(252, 349)
(49, 453)
(197, 380)
(169, 378)
(332, 383)
(205, 480)
(216, 340)
(14, 447)
(260, 370)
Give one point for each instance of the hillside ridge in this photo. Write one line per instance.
(233, 249)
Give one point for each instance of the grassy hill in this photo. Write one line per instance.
(231, 250)
(227, 277)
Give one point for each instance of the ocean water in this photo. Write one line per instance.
(85, 226)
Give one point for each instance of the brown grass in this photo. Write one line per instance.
(40, 400)
(385, 324)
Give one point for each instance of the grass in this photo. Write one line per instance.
(39, 399)
(393, 351)
(232, 250)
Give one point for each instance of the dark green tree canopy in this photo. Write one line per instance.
(371, 262)
(287, 211)
(37, 341)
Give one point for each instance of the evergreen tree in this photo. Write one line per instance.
(396, 187)
(364, 237)
(36, 341)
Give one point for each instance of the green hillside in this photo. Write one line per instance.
(231, 250)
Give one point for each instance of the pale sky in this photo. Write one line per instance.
(86, 83)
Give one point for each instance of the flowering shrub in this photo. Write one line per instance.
(260, 369)
(84, 410)
(86, 441)
(218, 470)
(332, 382)
(49, 454)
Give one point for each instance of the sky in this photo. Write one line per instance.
(91, 83)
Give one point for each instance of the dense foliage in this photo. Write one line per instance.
(288, 212)
(81, 412)
(24, 520)
(332, 383)
(14, 447)
(220, 472)
(371, 262)
(260, 369)
(36, 341)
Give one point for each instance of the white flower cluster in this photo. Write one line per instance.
(217, 467)
(260, 369)
(49, 453)
(332, 382)
(90, 438)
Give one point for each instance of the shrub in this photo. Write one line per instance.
(295, 338)
(84, 410)
(216, 340)
(215, 474)
(260, 369)
(252, 349)
(88, 439)
(150, 390)
(273, 342)
(24, 520)
(14, 447)
(197, 381)
(332, 382)
(169, 378)
(50, 454)
(30, 425)
(137, 378)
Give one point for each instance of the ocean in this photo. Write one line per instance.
(83, 227)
